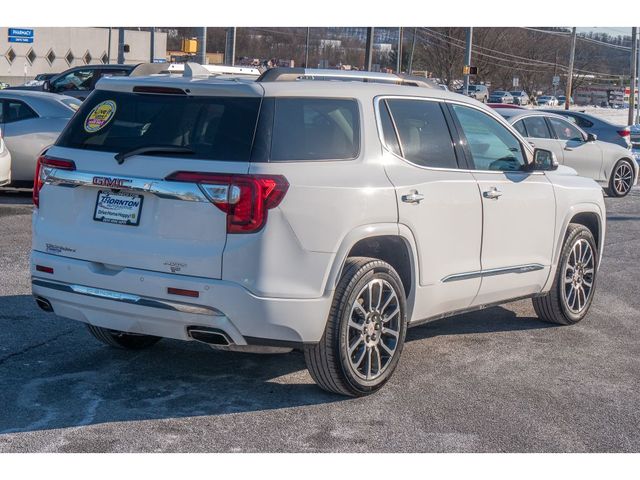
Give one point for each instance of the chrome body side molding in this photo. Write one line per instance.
(532, 267)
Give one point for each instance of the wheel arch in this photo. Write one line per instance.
(591, 216)
(387, 242)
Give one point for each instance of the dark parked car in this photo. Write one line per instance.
(605, 131)
(79, 82)
(500, 96)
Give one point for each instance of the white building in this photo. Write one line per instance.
(55, 49)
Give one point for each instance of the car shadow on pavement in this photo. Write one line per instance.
(53, 374)
(495, 319)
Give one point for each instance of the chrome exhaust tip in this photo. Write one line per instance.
(44, 304)
(210, 336)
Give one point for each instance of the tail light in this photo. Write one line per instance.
(625, 132)
(244, 198)
(38, 180)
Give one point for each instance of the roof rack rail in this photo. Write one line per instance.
(144, 69)
(285, 74)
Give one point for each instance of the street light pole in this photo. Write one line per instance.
(368, 52)
(567, 99)
(399, 52)
(467, 60)
(632, 90)
(306, 49)
(413, 47)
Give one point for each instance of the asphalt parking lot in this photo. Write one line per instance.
(497, 380)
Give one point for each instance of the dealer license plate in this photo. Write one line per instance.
(120, 208)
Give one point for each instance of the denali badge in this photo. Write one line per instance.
(110, 182)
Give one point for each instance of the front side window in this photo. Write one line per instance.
(79, 80)
(15, 111)
(424, 135)
(491, 145)
(565, 131)
(315, 129)
(537, 127)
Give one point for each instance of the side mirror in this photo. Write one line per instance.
(46, 86)
(544, 160)
(591, 137)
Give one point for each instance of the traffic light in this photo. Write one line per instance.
(469, 70)
(189, 45)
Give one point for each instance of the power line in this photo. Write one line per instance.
(529, 61)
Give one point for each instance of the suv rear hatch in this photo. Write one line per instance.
(119, 188)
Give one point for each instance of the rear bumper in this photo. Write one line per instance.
(137, 301)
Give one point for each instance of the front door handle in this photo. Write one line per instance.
(493, 194)
(413, 197)
(568, 149)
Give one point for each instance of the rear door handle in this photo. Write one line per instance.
(493, 194)
(413, 197)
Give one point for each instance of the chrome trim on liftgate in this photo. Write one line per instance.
(532, 267)
(162, 188)
(127, 298)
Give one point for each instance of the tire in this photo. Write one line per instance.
(118, 339)
(621, 179)
(377, 290)
(558, 305)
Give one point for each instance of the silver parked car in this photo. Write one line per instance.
(612, 166)
(520, 97)
(5, 162)
(31, 122)
(500, 96)
(606, 131)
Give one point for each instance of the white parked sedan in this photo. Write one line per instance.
(611, 165)
(5, 162)
(31, 122)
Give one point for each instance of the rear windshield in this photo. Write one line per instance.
(214, 128)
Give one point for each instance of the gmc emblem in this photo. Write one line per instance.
(110, 182)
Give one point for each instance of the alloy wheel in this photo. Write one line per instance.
(623, 178)
(373, 329)
(579, 273)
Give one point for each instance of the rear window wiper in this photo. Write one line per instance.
(122, 156)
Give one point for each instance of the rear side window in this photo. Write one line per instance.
(582, 122)
(315, 129)
(537, 127)
(424, 135)
(15, 111)
(519, 126)
(213, 128)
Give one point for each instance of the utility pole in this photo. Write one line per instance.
(306, 49)
(632, 90)
(109, 46)
(413, 47)
(152, 44)
(467, 60)
(567, 98)
(201, 54)
(120, 46)
(368, 51)
(230, 50)
(638, 81)
(399, 52)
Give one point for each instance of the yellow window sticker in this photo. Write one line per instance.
(100, 116)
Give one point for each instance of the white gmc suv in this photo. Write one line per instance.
(306, 209)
